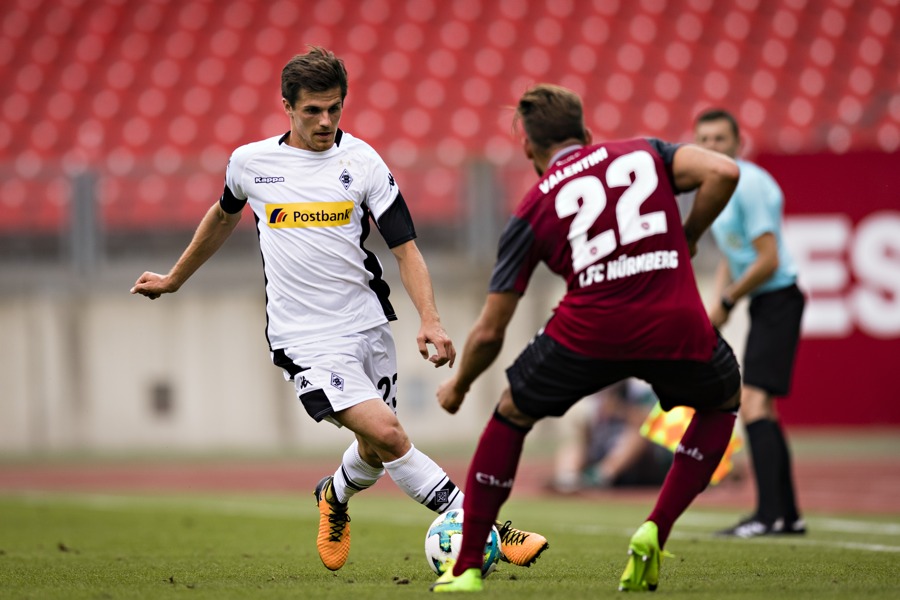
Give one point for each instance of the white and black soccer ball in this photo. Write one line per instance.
(444, 540)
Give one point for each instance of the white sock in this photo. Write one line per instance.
(424, 481)
(354, 475)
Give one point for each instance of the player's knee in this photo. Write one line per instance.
(507, 409)
(756, 404)
(396, 441)
(391, 441)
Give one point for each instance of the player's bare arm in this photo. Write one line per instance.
(482, 346)
(760, 271)
(766, 246)
(717, 313)
(714, 176)
(212, 232)
(417, 281)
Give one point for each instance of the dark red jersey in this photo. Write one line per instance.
(604, 218)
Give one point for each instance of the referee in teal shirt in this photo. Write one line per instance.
(757, 265)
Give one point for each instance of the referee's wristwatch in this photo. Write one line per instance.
(727, 303)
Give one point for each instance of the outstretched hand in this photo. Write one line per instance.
(718, 316)
(153, 285)
(434, 334)
(449, 397)
(692, 248)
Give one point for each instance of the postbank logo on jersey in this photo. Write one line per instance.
(309, 214)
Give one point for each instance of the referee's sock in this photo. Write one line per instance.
(768, 468)
(786, 481)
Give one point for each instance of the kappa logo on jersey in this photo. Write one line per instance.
(268, 180)
(391, 181)
(346, 179)
(337, 381)
(309, 214)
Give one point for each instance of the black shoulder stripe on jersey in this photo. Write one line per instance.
(377, 283)
(515, 243)
(666, 151)
(262, 257)
(230, 203)
(396, 224)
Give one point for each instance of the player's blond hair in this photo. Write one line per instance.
(550, 114)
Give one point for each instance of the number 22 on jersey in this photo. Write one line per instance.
(632, 225)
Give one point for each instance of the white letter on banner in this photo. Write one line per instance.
(876, 263)
(817, 243)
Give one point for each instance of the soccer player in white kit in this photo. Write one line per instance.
(312, 191)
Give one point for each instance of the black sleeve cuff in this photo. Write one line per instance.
(395, 224)
(230, 203)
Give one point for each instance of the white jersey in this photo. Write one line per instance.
(312, 216)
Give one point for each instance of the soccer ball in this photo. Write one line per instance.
(444, 539)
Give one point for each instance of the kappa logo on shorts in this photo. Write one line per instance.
(303, 382)
(337, 381)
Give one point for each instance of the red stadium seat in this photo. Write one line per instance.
(118, 81)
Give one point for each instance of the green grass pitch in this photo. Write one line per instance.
(99, 546)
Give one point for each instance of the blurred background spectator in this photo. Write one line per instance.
(601, 444)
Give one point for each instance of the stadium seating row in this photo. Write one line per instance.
(154, 95)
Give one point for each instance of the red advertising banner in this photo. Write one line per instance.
(842, 225)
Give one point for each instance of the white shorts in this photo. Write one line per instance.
(334, 374)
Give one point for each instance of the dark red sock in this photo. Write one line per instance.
(697, 457)
(488, 485)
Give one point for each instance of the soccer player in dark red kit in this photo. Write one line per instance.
(604, 218)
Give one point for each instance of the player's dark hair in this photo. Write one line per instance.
(319, 70)
(551, 114)
(718, 114)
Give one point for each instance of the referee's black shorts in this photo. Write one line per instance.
(772, 340)
(548, 378)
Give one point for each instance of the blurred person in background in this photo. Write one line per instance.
(756, 265)
(604, 218)
(312, 191)
(602, 446)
